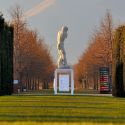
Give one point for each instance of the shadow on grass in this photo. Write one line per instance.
(49, 118)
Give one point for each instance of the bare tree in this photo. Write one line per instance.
(19, 25)
(33, 63)
(98, 54)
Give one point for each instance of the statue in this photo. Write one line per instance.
(64, 79)
(61, 36)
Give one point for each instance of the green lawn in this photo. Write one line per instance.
(54, 110)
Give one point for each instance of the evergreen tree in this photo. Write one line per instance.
(6, 58)
(118, 63)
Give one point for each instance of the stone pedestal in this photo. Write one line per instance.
(64, 82)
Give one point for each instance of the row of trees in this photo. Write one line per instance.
(106, 49)
(33, 64)
(98, 54)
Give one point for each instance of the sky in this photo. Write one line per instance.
(80, 16)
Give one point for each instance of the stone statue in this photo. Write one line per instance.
(61, 36)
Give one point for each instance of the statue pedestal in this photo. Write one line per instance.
(64, 82)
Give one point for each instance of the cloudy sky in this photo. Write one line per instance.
(81, 17)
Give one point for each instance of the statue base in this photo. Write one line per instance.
(64, 82)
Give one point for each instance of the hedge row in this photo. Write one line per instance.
(6, 58)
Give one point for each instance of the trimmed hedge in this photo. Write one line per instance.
(6, 58)
(118, 73)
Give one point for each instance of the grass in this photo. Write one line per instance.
(51, 92)
(64, 110)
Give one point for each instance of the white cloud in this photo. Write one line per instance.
(39, 8)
